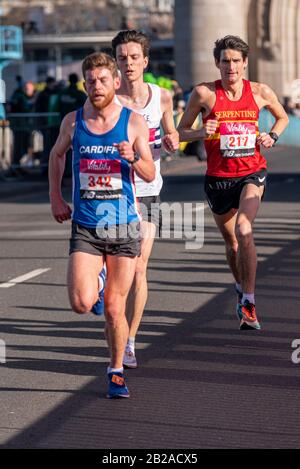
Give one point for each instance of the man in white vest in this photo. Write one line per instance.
(131, 51)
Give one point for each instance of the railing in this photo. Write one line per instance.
(291, 135)
(26, 139)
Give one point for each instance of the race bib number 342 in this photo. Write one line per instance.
(100, 179)
(237, 139)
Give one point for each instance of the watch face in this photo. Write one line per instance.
(274, 136)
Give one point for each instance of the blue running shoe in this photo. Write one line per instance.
(98, 308)
(116, 386)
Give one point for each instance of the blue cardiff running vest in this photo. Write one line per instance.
(103, 187)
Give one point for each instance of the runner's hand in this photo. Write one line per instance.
(125, 149)
(210, 127)
(61, 211)
(171, 142)
(265, 140)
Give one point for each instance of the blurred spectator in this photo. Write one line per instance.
(23, 98)
(54, 120)
(71, 98)
(32, 28)
(289, 105)
(178, 111)
(30, 96)
(196, 148)
(43, 98)
(20, 81)
(59, 87)
(297, 110)
(177, 94)
(47, 125)
(187, 94)
(29, 27)
(14, 96)
(28, 106)
(23, 101)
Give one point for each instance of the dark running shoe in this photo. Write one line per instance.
(98, 308)
(116, 386)
(239, 306)
(249, 319)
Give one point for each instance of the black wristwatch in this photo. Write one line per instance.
(135, 159)
(274, 137)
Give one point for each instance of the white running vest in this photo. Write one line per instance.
(152, 114)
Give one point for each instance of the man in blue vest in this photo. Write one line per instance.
(109, 143)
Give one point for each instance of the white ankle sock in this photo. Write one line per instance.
(130, 344)
(114, 370)
(249, 297)
(238, 287)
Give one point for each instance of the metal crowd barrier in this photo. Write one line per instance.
(291, 135)
(28, 138)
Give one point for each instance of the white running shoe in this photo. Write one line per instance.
(129, 359)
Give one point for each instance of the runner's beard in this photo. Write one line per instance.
(105, 101)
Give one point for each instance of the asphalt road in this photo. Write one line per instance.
(201, 383)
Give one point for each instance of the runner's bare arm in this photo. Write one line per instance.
(199, 102)
(266, 97)
(138, 134)
(60, 209)
(170, 140)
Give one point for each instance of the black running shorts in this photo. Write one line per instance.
(223, 194)
(123, 240)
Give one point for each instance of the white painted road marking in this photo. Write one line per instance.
(28, 233)
(23, 278)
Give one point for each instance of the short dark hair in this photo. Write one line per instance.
(99, 59)
(131, 35)
(230, 42)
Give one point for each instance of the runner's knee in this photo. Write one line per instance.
(140, 270)
(114, 309)
(232, 247)
(243, 232)
(81, 305)
(231, 242)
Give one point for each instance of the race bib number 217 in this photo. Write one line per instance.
(237, 139)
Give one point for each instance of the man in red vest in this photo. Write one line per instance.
(236, 174)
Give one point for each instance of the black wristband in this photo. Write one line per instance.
(274, 137)
(135, 159)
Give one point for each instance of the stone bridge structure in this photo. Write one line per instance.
(270, 27)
